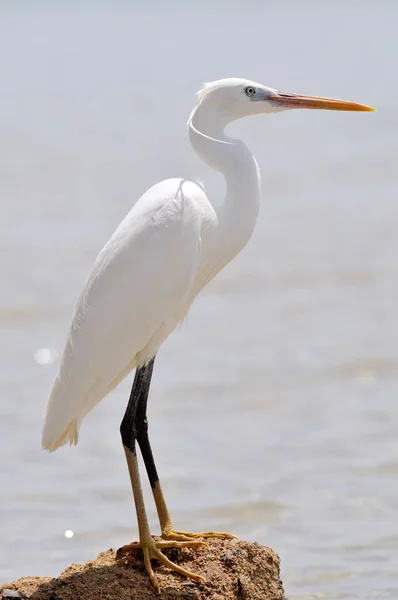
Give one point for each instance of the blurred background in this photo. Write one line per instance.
(274, 408)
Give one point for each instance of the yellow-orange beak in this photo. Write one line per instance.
(297, 101)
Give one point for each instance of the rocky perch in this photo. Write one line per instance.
(233, 570)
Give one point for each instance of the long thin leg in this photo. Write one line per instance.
(150, 548)
(129, 435)
(141, 424)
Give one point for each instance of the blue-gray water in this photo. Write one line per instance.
(274, 408)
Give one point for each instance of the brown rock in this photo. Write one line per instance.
(233, 570)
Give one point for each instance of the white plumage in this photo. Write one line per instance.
(172, 242)
(136, 294)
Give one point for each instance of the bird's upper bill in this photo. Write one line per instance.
(282, 100)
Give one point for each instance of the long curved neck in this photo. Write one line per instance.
(238, 213)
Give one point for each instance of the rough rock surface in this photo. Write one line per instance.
(233, 570)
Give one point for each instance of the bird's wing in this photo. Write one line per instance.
(134, 292)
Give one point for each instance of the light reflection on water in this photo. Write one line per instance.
(273, 409)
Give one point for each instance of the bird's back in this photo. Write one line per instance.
(137, 292)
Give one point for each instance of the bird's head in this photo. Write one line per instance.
(231, 99)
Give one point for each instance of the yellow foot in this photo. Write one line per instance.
(171, 534)
(151, 551)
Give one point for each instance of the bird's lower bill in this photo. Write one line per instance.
(297, 101)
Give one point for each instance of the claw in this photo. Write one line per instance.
(173, 534)
(151, 551)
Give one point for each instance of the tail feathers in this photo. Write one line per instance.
(69, 403)
(62, 419)
(71, 435)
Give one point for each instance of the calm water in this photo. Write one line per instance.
(274, 408)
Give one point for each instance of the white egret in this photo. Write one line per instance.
(173, 241)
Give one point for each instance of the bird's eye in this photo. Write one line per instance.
(250, 91)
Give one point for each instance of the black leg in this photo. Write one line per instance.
(141, 426)
(130, 432)
(135, 427)
(139, 392)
